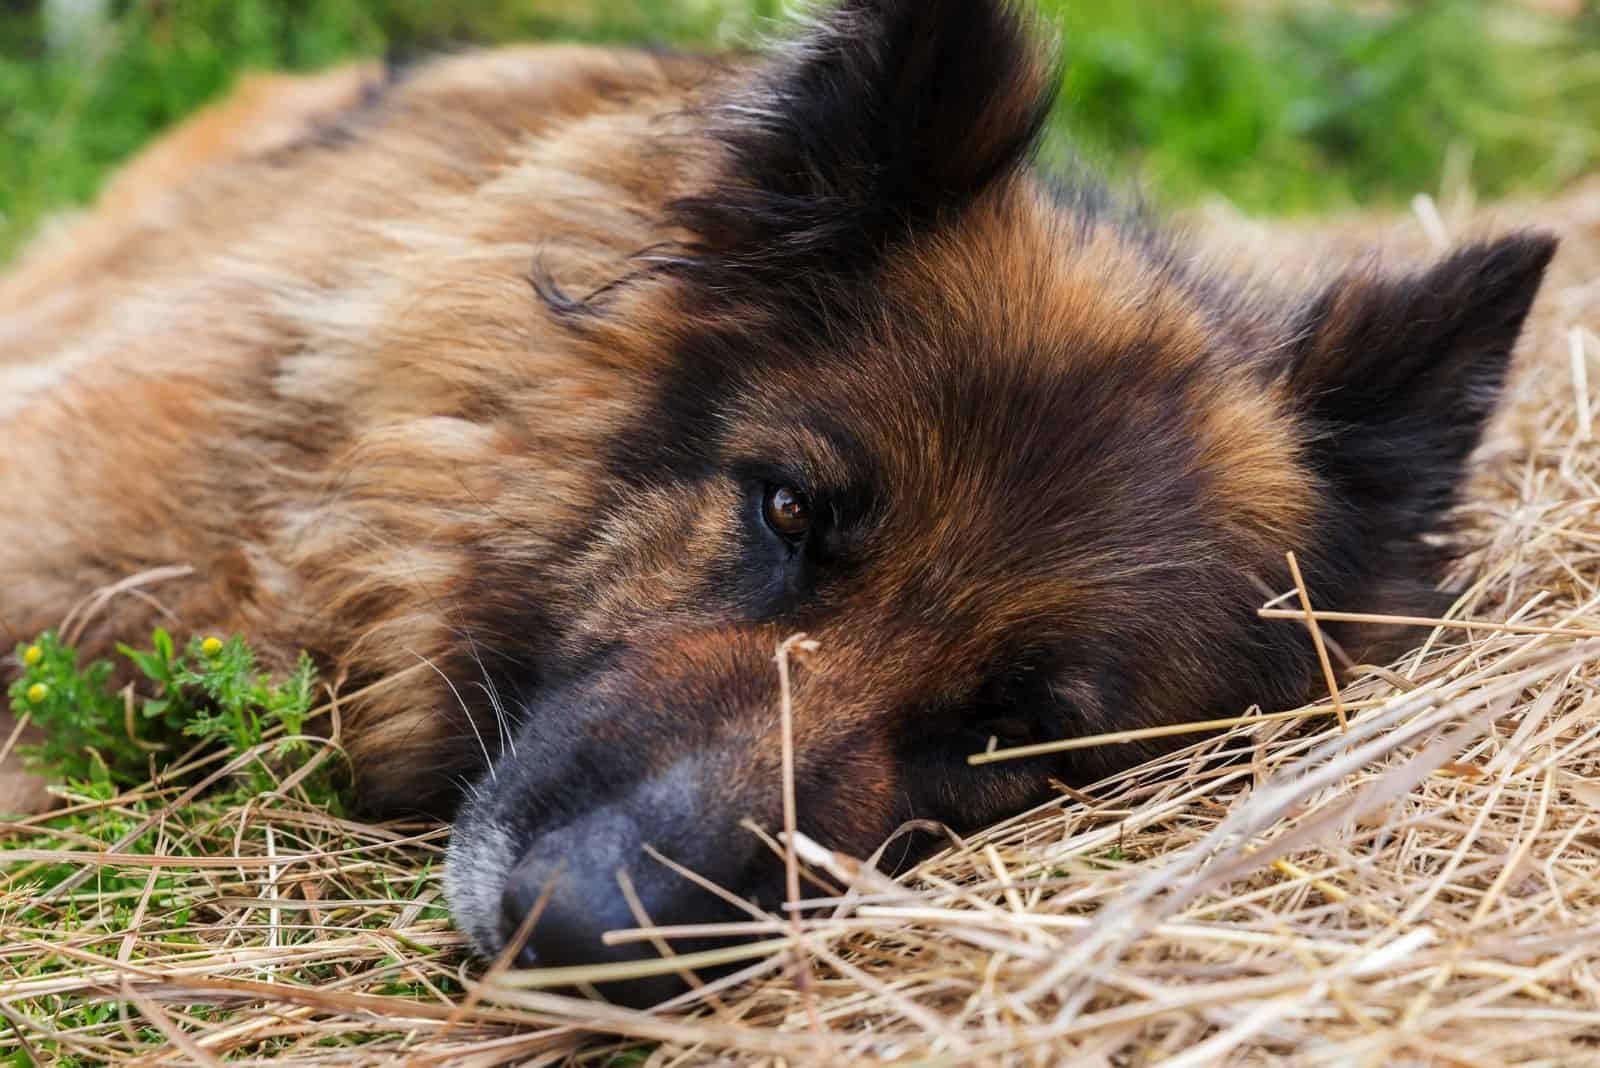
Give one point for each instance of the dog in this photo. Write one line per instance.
(542, 393)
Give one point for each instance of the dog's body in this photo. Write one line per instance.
(561, 385)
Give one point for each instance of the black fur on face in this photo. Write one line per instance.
(886, 117)
(1048, 461)
(1396, 377)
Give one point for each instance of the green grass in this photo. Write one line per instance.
(1282, 108)
(1316, 106)
(210, 690)
(201, 756)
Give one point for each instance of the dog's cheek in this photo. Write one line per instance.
(967, 798)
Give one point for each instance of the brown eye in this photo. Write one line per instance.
(787, 512)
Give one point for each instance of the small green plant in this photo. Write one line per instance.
(194, 752)
(209, 691)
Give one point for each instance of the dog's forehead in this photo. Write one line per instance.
(1083, 366)
(1033, 395)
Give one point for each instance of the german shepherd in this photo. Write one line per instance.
(564, 384)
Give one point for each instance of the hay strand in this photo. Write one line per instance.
(1416, 884)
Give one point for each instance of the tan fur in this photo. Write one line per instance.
(289, 348)
(542, 393)
(342, 393)
(307, 346)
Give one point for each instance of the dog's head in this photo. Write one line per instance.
(1017, 465)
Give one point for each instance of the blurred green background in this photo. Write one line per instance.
(1279, 107)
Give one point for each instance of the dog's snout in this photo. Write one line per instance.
(570, 911)
(575, 885)
(574, 842)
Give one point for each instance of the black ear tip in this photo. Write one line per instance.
(1501, 275)
(1518, 258)
(1532, 249)
(885, 117)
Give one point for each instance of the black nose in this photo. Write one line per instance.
(577, 878)
(579, 908)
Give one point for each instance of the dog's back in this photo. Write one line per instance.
(191, 371)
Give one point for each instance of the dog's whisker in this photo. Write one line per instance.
(508, 739)
(465, 711)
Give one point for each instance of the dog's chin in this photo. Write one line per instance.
(478, 863)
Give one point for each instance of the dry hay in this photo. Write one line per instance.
(1419, 889)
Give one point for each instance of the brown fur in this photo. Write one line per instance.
(380, 337)
(478, 379)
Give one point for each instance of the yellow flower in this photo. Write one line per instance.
(32, 655)
(37, 693)
(211, 646)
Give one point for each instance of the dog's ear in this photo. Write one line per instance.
(1397, 376)
(884, 115)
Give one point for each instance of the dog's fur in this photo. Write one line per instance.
(481, 375)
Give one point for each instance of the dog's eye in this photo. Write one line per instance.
(787, 512)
